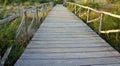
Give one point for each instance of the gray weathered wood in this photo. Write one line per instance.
(67, 41)
(70, 62)
(0, 61)
(5, 55)
(101, 21)
(88, 15)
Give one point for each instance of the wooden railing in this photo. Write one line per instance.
(102, 13)
(24, 28)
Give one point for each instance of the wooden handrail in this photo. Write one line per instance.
(110, 14)
(102, 13)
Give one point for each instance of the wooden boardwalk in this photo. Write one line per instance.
(64, 40)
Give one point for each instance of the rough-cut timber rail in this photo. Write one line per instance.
(64, 40)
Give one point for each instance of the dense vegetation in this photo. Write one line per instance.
(109, 22)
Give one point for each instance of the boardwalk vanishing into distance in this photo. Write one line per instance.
(65, 40)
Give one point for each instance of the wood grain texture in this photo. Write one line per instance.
(65, 40)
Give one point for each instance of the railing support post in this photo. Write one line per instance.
(101, 21)
(80, 11)
(0, 61)
(45, 8)
(88, 15)
(37, 18)
(75, 9)
(26, 26)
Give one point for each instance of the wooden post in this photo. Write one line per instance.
(26, 26)
(80, 11)
(75, 9)
(88, 15)
(36, 13)
(42, 9)
(0, 61)
(45, 8)
(101, 21)
(25, 15)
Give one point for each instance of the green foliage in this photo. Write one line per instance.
(116, 8)
(70, 0)
(91, 4)
(111, 1)
(59, 1)
(23, 1)
(43, 1)
(7, 34)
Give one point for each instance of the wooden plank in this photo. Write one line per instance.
(118, 64)
(68, 42)
(88, 33)
(64, 34)
(67, 29)
(67, 50)
(66, 45)
(70, 55)
(69, 62)
(66, 39)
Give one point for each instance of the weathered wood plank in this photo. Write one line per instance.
(67, 50)
(69, 62)
(66, 39)
(66, 45)
(70, 55)
(66, 35)
(70, 42)
(118, 64)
